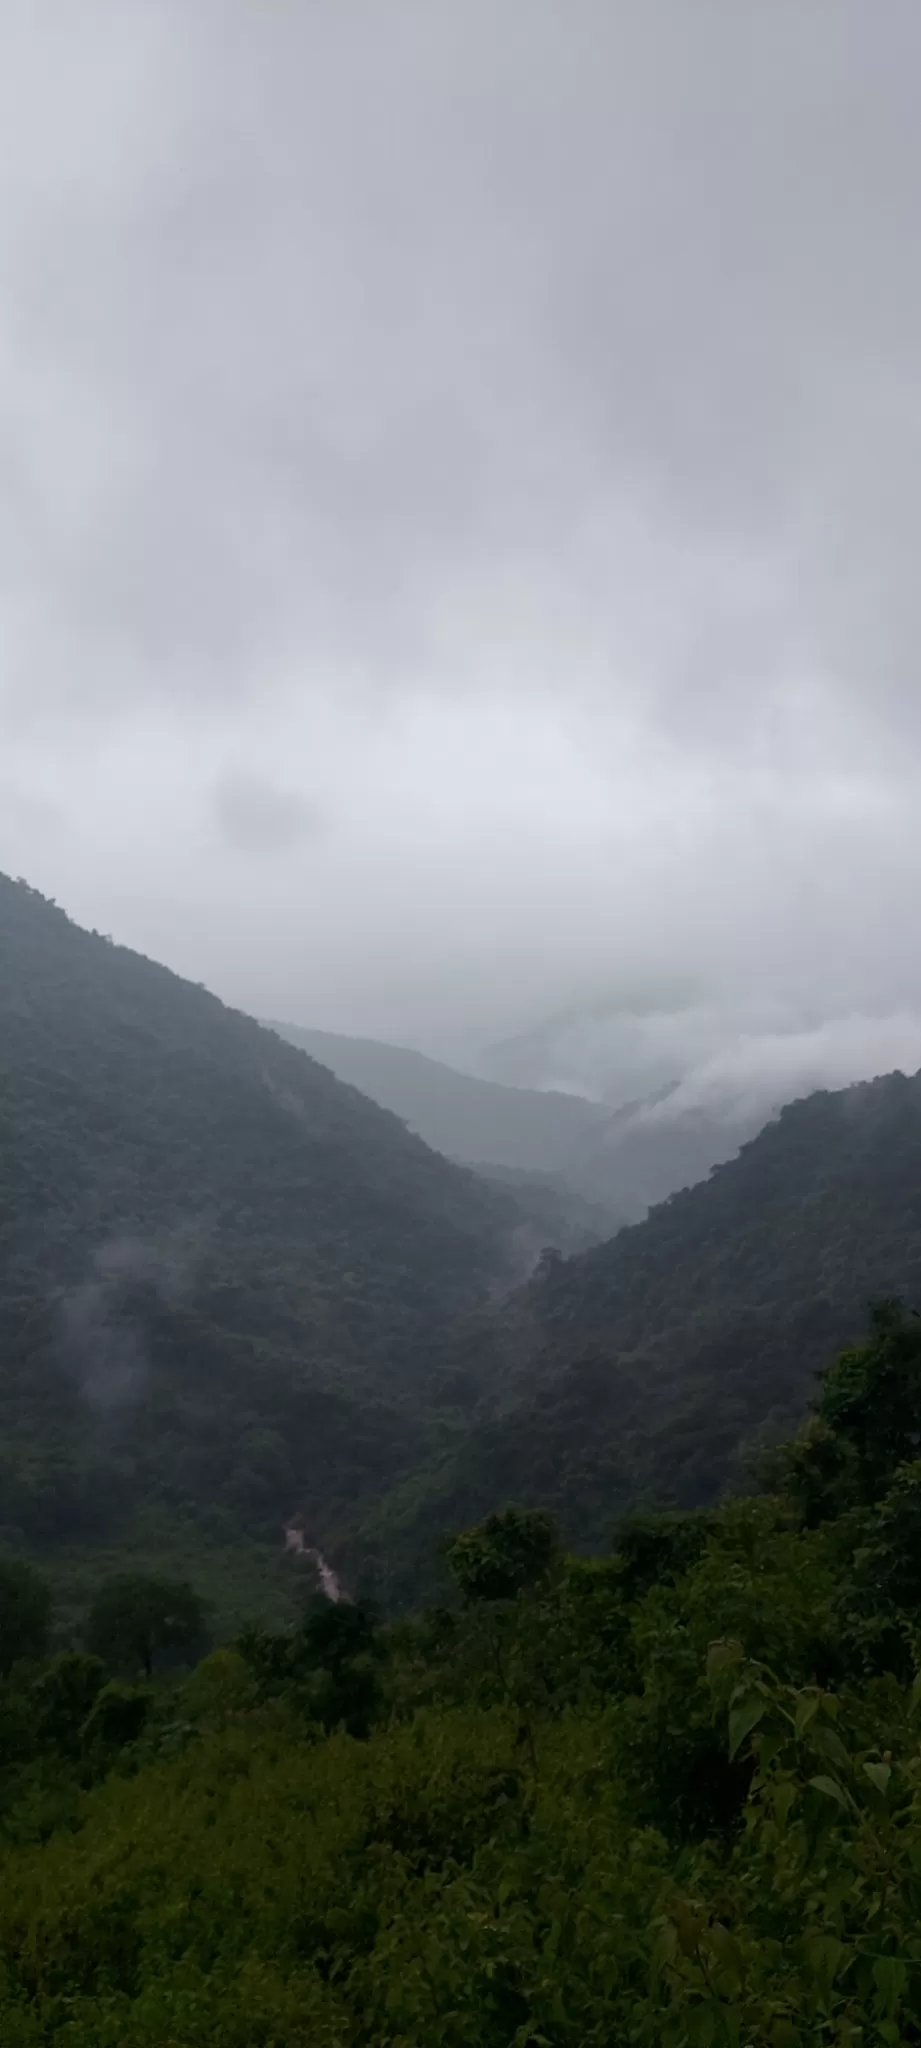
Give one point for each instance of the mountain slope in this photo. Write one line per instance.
(557, 1214)
(620, 1160)
(646, 1151)
(643, 1368)
(222, 1272)
(479, 1122)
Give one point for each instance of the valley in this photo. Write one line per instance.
(394, 1564)
(234, 1289)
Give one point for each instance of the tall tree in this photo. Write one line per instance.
(25, 1614)
(134, 1619)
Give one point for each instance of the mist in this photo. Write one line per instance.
(100, 1340)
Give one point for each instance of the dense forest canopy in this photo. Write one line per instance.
(670, 1796)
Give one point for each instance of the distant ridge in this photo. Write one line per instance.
(649, 1367)
(479, 1122)
(619, 1160)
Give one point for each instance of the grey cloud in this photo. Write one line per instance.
(257, 816)
(370, 301)
(754, 1074)
(515, 414)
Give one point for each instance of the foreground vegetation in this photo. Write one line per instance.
(669, 1796)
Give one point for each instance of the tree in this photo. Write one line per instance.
(867, 1423)
(134, 1619)
(116, 1717)
(25, 1614)
(505, 1555)
(872, 1397)
(339, 1651)
(654, 1546)
(64, 1696)
(494, 1564)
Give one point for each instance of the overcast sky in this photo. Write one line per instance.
(460, 515)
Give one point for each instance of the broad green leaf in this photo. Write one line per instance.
(824, 1955)
(744, 1718)
(829, 1744)
(702, 2025)
(806, 1711)
(830, 1789)
(890, 1976)
(879, 1775)
(726, 1947)
(689, 1926)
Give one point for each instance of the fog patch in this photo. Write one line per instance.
(101, 1342)
(736, 1061)
(755, 1075)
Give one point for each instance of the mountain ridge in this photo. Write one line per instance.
(651, 1366)
(621, 1160)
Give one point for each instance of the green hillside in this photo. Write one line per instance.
(651, 1366)
(222, 1272)
(668, 1797)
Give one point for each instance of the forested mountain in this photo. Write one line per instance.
(648, 1367)
(232, 1288)
(479, 1122)
(555, 1213)
(222, 1272)
(619, 1160)
(648, 1150)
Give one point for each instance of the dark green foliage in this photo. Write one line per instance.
(339, 1650)
(328, 1668)
(136, 1620)
(116, 1718)
(871, 1402)
(669, 1798)
(333, 1634)
(63, 1698)
(25, 1613)
(508, 1553)
(653, 1548)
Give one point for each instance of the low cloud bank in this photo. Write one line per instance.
(728, 1065)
